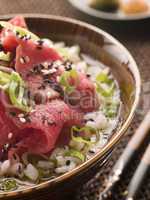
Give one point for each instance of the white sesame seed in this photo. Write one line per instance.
(49, 94)
(10, 135)
(21, 115)
(23, 120)
(22, 60)
(50, 71)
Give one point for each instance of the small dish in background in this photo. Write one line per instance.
(125, 12)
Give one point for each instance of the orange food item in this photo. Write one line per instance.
(134, 6)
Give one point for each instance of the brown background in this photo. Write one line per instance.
(136, 37)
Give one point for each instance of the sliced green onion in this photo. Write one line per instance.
(15, 87)
(106, 92)
(8, 185)
(64, 80)
(79, 138)
(16, 92)
(76, 154)
(5, 56)
(17, 29)
(110, 110)
(103, 78)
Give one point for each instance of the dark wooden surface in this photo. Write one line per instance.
(136, 37)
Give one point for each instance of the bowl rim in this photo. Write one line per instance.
(121, 132)
(106, 15)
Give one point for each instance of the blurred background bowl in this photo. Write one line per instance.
(83, 6)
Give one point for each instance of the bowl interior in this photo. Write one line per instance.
(103, 47)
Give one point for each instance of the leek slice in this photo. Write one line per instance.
(76, 154)
(5, 56)
(106, 92)
(103, 78)
(64, 80)
(8, 184)
(79, 138)
(16, 92)
(15, 87)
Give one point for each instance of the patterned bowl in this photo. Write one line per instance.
(104, 47)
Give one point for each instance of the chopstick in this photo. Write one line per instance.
(139, 176)
(132, 148)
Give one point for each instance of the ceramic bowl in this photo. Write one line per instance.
(102, 46)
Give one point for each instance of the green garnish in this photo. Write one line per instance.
(15, 87)
(16, 92)
(65, 79)
(8, 185)
(110, 110)
(76, 154)
(85, 129)
(17, 29)
(105, 92)
(5, 56)
(101, 79)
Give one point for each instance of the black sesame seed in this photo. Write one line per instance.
(22, 37)
(68, 162)
(19, 169)
(17, 33)
(22, 60)
(48, 81)
(40, 42)
(88, 75)
(91, 151)
(1, 27)
(68, 68)
(1, 47)
(92, 120)
(28, 37)
(12, 114)
(14, 156)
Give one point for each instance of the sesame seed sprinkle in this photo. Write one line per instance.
(10, 135)
(23, 120)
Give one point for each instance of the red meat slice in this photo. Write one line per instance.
(30, 54)
(84, 97)
(40, 132)
(8, 130)
(18, 21)
(8, 38)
